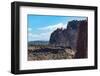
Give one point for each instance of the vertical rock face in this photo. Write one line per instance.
(72, 33)
(58, 38)
(82, 40)
(74, 36)
(65, 37)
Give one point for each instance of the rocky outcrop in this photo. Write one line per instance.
(82, 40)
(74, 36)
(58, 37)
(65, 37)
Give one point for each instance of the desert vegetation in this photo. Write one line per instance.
(49, 53)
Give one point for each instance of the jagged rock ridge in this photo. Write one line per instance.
(65, 37)
(74, 36)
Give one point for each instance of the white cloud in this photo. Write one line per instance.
(45, 32)
(32, 35)
(40, 36)
(29, 29)
(53, 27)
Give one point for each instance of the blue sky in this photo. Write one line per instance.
(41, 26)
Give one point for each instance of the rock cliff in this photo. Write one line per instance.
(67, 36)
(74, 36)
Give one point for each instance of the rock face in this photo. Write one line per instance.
(82, 40)
(74, 36)
(58, 37)
(65, 37)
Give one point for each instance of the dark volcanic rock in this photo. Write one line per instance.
(65, 37)
(82, 40)
(72, 33)
(74, 36)
(58, 37)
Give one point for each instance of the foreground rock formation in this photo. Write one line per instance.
(74, 36)
(82, 40)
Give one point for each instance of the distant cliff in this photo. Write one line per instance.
(74, 36)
